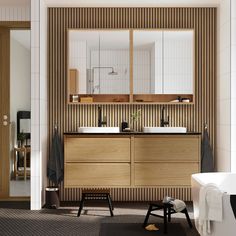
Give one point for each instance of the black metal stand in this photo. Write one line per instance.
(98, 194)
(167, 211)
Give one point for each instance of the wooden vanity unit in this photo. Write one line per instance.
(131, 160)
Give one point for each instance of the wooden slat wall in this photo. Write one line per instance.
(69, 117)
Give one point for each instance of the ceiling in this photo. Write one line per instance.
(11, 3)
(118, 3)
(132, 3)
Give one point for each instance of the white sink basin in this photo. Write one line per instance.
(164, 129)
(98, 129)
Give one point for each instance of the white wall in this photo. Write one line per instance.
(39, 104)
(36, 156)
(43, 97)
(233, 85)
(223, 93)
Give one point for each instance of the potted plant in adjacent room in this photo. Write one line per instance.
(21, 137)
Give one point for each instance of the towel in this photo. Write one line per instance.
(178, 205)
(214, 202)
(207, 154)
(210, 207)
(151, 227)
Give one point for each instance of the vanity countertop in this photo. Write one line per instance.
(132, 133)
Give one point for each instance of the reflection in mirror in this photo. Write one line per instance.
(147, 62)
(163, 62)
(100, 60)
(178, 62)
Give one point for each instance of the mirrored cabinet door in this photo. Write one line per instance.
(99, 62)
(178, 62)
(112, 68)
(163, 62)
(147, 61)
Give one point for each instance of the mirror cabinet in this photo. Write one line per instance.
(130, 66)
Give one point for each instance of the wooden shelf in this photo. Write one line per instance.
(138, 99)
(131, 103)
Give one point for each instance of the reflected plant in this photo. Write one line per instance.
(135, 116)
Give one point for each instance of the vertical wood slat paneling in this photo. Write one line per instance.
(135, 194)
(69, 117)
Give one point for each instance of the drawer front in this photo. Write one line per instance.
(167, 149)
(97, 149)
(166, 174)
(97, 174)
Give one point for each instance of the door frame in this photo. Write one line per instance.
(9, 25)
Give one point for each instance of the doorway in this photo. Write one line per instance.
(19, 172)
(15, 89)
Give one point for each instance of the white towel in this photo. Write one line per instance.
(210, 207)
(178, 205)
(214, 202)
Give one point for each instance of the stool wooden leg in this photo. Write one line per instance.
(147, 215)
(81, 205)
(110, 204)
(187, 217)
(165, 219)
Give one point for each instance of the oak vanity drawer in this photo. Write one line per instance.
(97, 174)
(166, 174)
(97, 149)
(167, 148)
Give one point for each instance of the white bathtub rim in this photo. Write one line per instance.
(196, 178)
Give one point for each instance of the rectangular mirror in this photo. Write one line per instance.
(163, 62)
(98, 62)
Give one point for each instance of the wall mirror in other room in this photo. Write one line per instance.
(163, 65)
(98, 65)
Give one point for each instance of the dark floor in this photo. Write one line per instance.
(17, 219)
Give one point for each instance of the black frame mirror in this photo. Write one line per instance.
(22, 115)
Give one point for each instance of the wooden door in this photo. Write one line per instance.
(4, 110)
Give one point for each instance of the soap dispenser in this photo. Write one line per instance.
(124, 125)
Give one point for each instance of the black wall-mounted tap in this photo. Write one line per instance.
(100, 122)
(163, 122)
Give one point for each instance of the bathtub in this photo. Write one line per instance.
(227, 183)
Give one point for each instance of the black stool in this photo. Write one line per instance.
(167, 211)
(96, 194)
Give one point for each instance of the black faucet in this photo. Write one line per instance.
(100, 122)
(163, 122)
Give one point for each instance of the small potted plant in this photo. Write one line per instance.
(21, 138)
